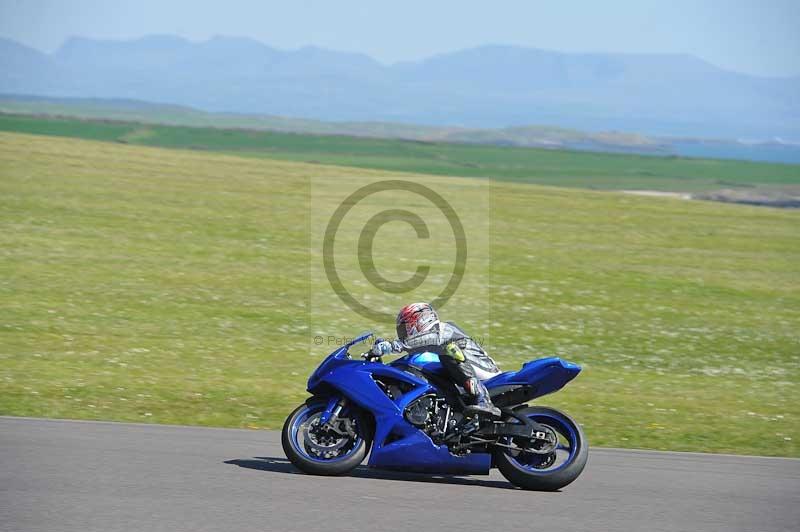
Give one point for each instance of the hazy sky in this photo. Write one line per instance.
(758, 37)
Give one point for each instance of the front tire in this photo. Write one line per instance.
(546, 472)
(317, 451)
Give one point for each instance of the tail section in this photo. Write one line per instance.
(534, 379)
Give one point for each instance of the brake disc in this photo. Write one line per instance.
(326, 444)
(547, 461)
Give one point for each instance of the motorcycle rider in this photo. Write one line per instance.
(419, 329)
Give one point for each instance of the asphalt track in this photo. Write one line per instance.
(92, 476)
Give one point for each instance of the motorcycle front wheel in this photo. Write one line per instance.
(550, 471)
(324, 450)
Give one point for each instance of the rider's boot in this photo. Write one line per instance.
(479, 401)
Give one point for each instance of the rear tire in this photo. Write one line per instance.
(293, 439)
(541, 476)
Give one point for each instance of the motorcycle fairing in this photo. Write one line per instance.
(545, 376)
(396, 442)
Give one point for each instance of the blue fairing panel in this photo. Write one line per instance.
(416, 452)
(546, 374)
(408, 448)
(337, 358)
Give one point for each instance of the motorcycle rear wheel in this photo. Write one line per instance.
(549, 472)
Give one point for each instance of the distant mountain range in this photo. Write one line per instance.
(489, 86)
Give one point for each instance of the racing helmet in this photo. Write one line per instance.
(414, 319)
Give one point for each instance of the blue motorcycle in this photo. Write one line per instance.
(408, 415)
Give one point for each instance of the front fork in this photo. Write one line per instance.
(332, 411)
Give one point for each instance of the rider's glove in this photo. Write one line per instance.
(398, 346)
(381, 347)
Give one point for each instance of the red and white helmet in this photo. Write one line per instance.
(414, 319)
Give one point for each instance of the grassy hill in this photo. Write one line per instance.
(524, 165)
(173, 286)
(177, 115)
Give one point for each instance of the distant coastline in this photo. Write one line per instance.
(534, 136)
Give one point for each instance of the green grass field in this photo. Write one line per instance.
(172, 286)
(176, 115)
(526, 165)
